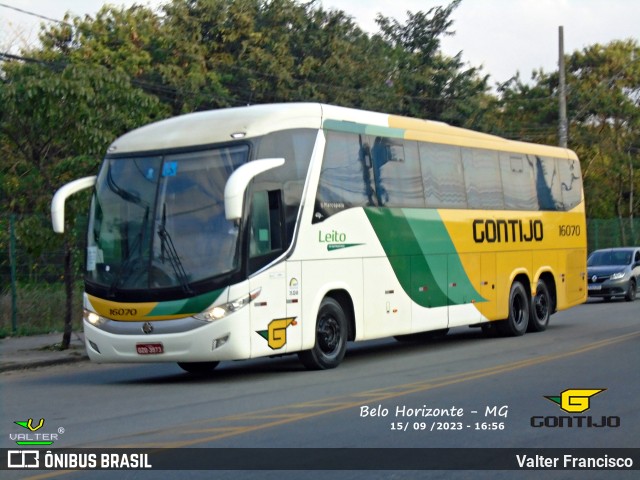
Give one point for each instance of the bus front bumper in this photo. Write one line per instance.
(215, 341)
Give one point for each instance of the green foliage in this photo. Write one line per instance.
(603, 103)
(55, 124)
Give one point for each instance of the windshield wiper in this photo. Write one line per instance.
(172, 253)
(132, 255)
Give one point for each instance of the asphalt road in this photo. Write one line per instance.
(479, 392)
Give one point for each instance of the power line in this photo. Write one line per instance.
(26, 12)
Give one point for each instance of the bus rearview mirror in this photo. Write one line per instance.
(238, 181)
(60, 197)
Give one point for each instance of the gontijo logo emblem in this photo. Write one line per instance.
(276, 335)
(575, 400)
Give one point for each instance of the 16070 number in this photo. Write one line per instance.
(569, 230)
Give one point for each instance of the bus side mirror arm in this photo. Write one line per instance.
(239, 180)
(60, 197)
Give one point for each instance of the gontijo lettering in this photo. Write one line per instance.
(492, 231)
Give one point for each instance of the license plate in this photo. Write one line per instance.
(149, 348)
(595, 287)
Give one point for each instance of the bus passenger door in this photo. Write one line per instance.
(270, 324)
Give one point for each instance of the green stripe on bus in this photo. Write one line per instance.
(422, 256)
(362, 129)
(187, 306)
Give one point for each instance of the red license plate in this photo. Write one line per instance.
(149, 348)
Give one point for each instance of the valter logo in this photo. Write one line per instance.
(33, 436)
(575, 401)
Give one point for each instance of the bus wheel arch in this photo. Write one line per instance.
(550, 280)
(345, 301)
(334, 327)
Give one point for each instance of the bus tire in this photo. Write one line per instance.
(331, 338)
(198, 368)
(519, 312)
(540, 308)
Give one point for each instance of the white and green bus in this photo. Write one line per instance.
(273, 229)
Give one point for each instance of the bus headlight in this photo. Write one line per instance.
(212, 314)
(93, 318)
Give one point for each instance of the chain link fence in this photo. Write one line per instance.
(613, 232)
(32, 294)
(32, 298)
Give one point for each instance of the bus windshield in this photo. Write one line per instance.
(158, 221)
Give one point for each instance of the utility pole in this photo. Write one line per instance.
(563, 128)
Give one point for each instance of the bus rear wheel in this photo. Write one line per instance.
(198, 368)
(331, 338)
(540, 308)
(519, 311)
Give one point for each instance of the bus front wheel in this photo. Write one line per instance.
(519, 311)
(331, 338)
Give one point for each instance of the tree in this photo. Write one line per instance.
(56, 122)
(605, 88)
(604, 121)
(430, 84)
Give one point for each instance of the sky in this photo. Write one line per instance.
(501, 36)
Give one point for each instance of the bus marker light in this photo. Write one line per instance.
(218, 342)
(94, 346)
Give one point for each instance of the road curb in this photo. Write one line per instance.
(10, 366)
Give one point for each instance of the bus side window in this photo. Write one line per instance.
(570, 182)
(442, 176)
(398, 180)
(346, 180)
(547, 183)
(518, 182)
(483, 178)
